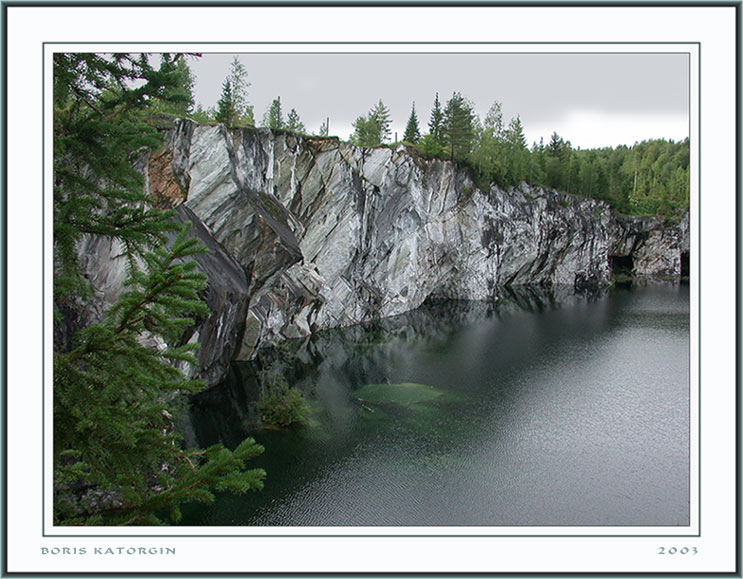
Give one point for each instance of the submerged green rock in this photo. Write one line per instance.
(405, 394)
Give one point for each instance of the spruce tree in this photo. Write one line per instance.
(226, 111)
(373, 129)
(273, 118)
(557, 157)
(238, 78)
(436, 123)
(517, 154)
(380, 116)
(412, 132)
(458, 124)
(118, 457)
(178, 100)
(293, 123)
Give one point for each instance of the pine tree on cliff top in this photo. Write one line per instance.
(380, 114)
(436, 122)
(458, 127)
(412, 132)
(293, 122)
(226, 108)
(178, 98)
(273, 118)
(239, 84)
(118, 457)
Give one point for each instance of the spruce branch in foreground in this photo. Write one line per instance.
(118, 455)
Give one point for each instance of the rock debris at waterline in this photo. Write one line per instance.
(309, 233)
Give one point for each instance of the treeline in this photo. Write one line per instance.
(649, 178)
(233, 108)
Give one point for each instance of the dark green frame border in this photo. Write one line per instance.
(352, 43)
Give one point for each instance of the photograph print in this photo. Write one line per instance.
(363, 288)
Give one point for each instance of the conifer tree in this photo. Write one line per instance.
(226, 111)
(412, 132)
(436, 122)
(380, 115)
(273, 118)
(487, 155)
(204, 116)
(517, 154)
(537, 163)
(239, 84)
(324, 128)
(293, 123)
(118, 457)
(366, 132)
(557, 156)
(458, 124)
(373, 129)
(515, 133)
(178, 100)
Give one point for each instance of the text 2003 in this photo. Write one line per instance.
(675, 550)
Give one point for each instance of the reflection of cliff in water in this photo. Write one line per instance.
(546, 408)
(327, 365)
(435, 320)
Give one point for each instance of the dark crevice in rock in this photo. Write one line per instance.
(685, 268)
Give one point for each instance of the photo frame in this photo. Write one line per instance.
(707, 545)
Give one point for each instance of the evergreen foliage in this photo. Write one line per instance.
(273, 118)
(649, 178)
(293, 123)
(118, 457)
(178, 100)
(226, 109)
(516, 153)
(412, 132)
(381, 116)
(280, 404)
(233, 109)
(238, 78)
(430, 147)
(204, 116)
(324, 128)
(373, 129)
(458, 127)
(365, 132)
(436, 126)
(487, 155)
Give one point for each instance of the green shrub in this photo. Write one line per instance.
(430, 148)
(280, 404)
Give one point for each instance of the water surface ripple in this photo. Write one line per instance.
(549, 412)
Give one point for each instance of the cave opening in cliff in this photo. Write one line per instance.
(622, 267)
(685, 264)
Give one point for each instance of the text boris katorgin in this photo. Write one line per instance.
(148, 551)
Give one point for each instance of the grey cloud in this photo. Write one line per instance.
(541, 88)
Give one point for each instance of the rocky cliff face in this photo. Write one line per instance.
(655, 250)
(327, 234)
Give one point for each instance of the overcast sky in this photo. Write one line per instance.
(592, 100)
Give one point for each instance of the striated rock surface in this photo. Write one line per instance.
(331, 235)
(226, 294)
(308, 233)
(104, 263)
(655, 249)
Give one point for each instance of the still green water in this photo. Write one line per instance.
(543, 410)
